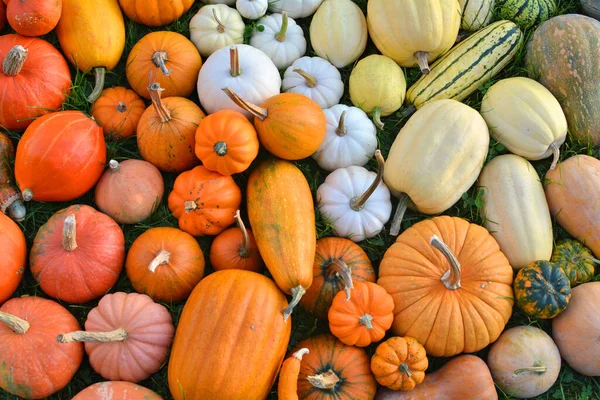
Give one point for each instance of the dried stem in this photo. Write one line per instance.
(69, 233)
(342, 129)
(297, 293)
(161, 258)
(311, 82)
(326, 381)
(399, 214)
(341, 269)
(155, 95)
(220, 27)
(14, 60)
(244, 250)
(118, 335)
(358, 203)
(16, 324)
(451, 278)
(422, 61)
(257, 111)
(234, 62)
(100, 74)
(555, 147)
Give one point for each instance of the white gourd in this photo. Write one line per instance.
(252, 9)
(314, 78)
(281, 39)
(216, 26)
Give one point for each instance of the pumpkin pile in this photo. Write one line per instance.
(299, 199)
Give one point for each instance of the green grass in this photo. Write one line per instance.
(570, 385)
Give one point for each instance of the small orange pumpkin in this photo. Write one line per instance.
(289, 125)
(167, 130)
(226, 142)
(235, 248)
(155, 12)
(399, 363)
(364, 317)
(33, 17)
(287, 388)
(169, 58)
(118, 111)
(204, 202)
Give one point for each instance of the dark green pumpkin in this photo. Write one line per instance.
(576, 260)
(591, 8)
(526, 13)
(542, 289)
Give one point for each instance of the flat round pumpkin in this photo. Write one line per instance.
(576, 260)
(118, 111)
(399, 363)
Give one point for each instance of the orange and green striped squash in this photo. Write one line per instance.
(576, 260)
(542, 289)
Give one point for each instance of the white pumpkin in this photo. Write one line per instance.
(245, 69)
(281, 39)
(351, 138)
(252, 9)
(316, 79)
(476, 14)
(295, 8)
(338, 32)
(355, 201)
(216, 26)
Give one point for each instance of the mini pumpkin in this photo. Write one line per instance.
(400, 363)
(216, 26)
(287, 388)
(280, 38)
(576, 260)
(33, 17)
(252, 9)
(118, 111)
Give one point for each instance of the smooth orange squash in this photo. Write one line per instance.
(287, 388)
(282, 216)
(155, 12)
(118, 111)
(33, 17)
(14, 254)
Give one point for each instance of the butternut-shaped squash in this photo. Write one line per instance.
(436, 157)
(92, 35)
(282, 216)
(515, 210)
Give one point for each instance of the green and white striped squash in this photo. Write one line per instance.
(476, 14)
(526, 13)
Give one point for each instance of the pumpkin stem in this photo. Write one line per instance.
(311, 82)
(257, 111)
(280, 36)
(16, 324)
(326, 381)
(190, 206)
(159, 58)
(405, 370)
(358, 203)
(297, 293)
(155, 95)
(118, 335)
(341, 269)
(100, 74)
(121, 107)
(162, 258)
(451, 278)
(114, 166)
(234, 62)
(422, 61)
(342, 129)
(244, 250)
(14, 60)
(576, 259)
(27, 194)
(555, 147)
(399, 214)
(300, 353)
(377, 118)
(220, 148)
(366, 320)
(408, 111)
(221, 27)
(69, 233)
(538, 370)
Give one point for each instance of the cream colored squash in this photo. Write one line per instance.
(476, 14)
(515, 210)
(338, 32)
(295, 8)
(436, 157)
(413, 32)
(252, 9)
(216, 26)
(526, 118)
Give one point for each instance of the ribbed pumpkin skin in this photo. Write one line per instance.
(282, 216)
(118, 111)
(542, 290)
(326, 283)
(14, 255)
(34, 365)
(526, 13)
(566, 64)
(155, 12)
(231, 317)
(573, 195)
(60, 156)
(391, 355)
(575, 259)
(591, 8)
(91, 33)
(41, 86)
(118, 390)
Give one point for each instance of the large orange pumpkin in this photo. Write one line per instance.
(155, 12)
(167, 130)
(60, 157)
(34, 81)
(451, 285)
(78, 254)
(118, 111)
(32, 364)
(230, 340)
(14, 254)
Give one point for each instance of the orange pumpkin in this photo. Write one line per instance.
(464, 295)
(118, 111)
(14, 254)
(289, 125)
(226, 142)
(32, 364)
(165, 263)
(167, 130)
(60, 157)
(235, 248)
(155, 12)
(78, 254)
(287, 388)
(11, 201)
(33, 17)
(169, 58)
(363, 318)
(399, 363)
(119, 390)
(204, 202)
(339, 262)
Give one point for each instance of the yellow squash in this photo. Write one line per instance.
(515, 210)
(92, 35)
(414, 32)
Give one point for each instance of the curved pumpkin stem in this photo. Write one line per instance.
(311, 82)
(220, 27)
(555, 147)
(280, 36)
(342, 129)
(366, 320)
(14, 60)
(159, 58)
(118, 335)
(244, 250)
(155, 95)
(297, 293)
(542, 369)
(257, 111)
(399, 214)
(16, 324)
(422, 60)
(451, 278)
(99, 73)
(69, 233)
(326, 381)
(341, 269)
(161, 258)
(377, 118)
(300, 353)
(358, 203)
(405, 370)
(234, 62)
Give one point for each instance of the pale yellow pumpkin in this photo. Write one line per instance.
(414, 32)
(515, 210)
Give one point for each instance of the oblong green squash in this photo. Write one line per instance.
(564, 55)
(526, 13)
